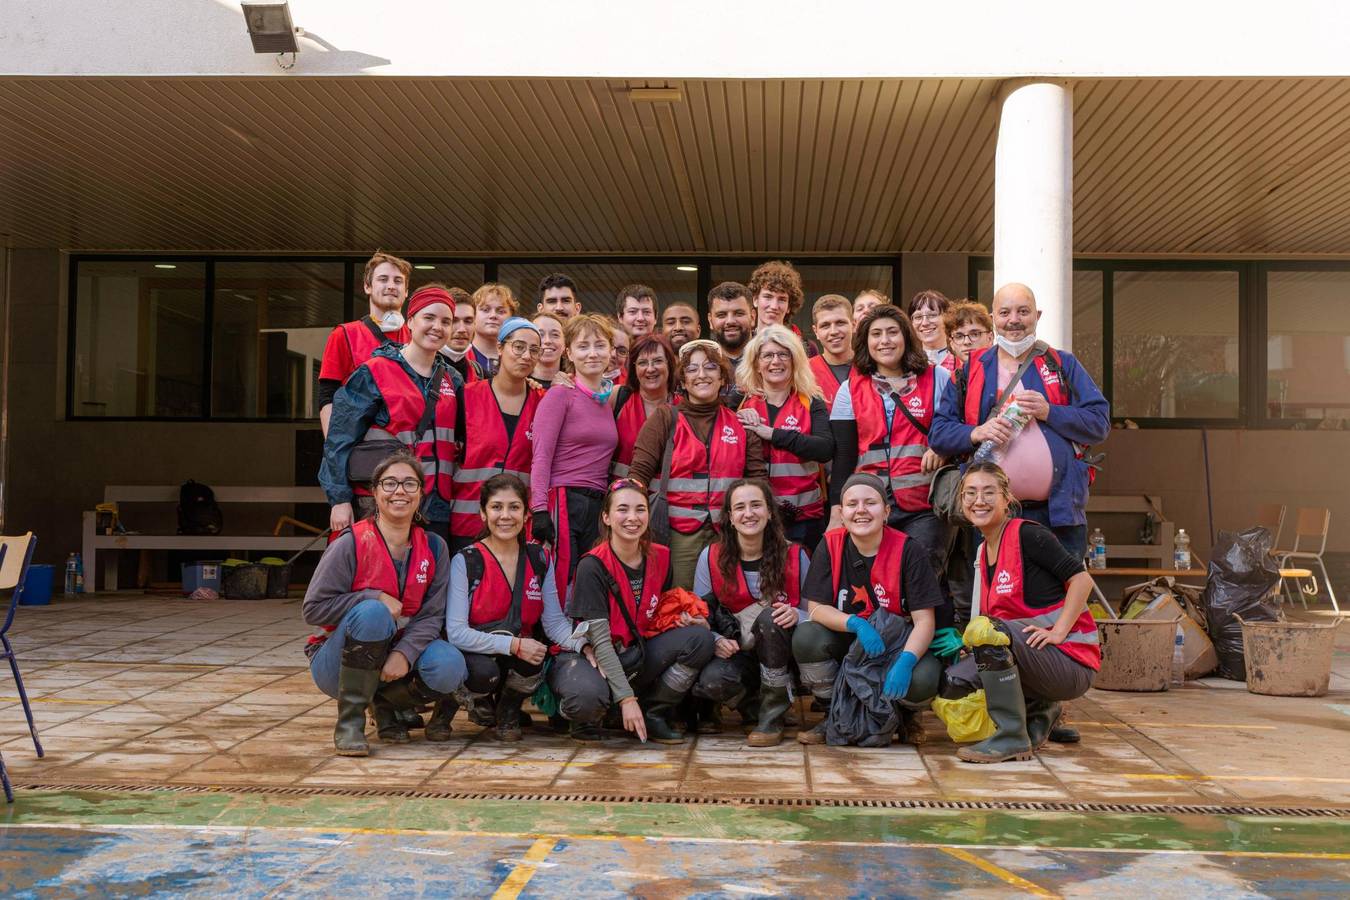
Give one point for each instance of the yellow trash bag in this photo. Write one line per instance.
(980, 632)
(967, 719)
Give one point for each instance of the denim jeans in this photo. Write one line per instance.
(441, 667)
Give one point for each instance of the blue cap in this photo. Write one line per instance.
(512, 325)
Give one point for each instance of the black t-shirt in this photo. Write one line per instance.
(510, 422)
(1046, 566)
(841, 371)
(918, 585)
(590, 591)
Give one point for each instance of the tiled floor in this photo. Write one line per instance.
(134, 689)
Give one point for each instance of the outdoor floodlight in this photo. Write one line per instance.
(270, 27)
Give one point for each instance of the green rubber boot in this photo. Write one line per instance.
(397, 698)
(1007, 707)
(773, 706)
(1042, 716)
(656, 708)
(358, 680)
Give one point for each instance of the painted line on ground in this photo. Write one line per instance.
(1165, 776)
(671, 839)
(525, 869)
(578, 764)
(1133, 725)
(999, 872)
(109, 703)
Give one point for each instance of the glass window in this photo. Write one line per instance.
(1308, 344)
(1087, 315)
(1176, 344)
(467, 275)
(818, 280)
(138, 338)
(598, 284)
(270, 323)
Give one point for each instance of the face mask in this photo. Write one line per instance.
(392, 321)
(1015, 348)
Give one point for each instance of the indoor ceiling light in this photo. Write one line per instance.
(424, 267)
(270, 27)
(165, 266)
(686, 268)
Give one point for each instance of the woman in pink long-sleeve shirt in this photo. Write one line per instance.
(574, 441)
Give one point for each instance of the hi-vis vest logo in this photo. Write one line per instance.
(915, 403)
(422, 571)
(652, 601)
(791, 422)
(532, 589)
(1004, 583)
(880, 593)
(729, 435)
(1049, 377)
(447, 389)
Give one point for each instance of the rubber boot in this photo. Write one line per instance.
(482, 711)
(1042, 715)
(911, 728)
(411, 719)
(1064, 733)
(585, 732)
(438, 726)
(394, 699)
(773, 706)
(1007, 707)
(814, 735)
(358, 679)
(507, 714)
(388, 725)
(660, 704)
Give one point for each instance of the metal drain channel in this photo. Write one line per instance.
(756, 800)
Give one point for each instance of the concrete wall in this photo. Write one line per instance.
(946, 272)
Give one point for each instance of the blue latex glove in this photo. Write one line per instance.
(897, 679)
(872, 643)
(946, 642)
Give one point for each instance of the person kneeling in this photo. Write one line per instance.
(615, 601)
(751, 579)
(1035, 644)
(503, 607)
(856, 571)
(381, 584)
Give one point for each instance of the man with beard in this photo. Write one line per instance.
(352, 343)
(456, 350)
(679, 323)
(558, 297)
(731, 321)
(1065, 412)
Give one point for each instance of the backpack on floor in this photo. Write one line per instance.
(198, 512)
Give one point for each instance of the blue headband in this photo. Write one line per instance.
(512, 325)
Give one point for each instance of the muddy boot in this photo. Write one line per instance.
(507, 714)
(659, 705)
(1064, 733)
(773, 706)
(358, 679)
(411, 719)
(482, 711)
(814, 735)
(438, 726)
(387, 723)
(709, 716)
(911, 728)
(1007, 707)
(1042, 715)
(585, 732)
(396, 705)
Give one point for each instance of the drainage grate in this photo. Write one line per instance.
(758, 800)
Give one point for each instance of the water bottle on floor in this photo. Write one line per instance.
(1181, 553)
(72, 567)
(1097, 550)
(1179, 658)
(992, 450)
(79, 574)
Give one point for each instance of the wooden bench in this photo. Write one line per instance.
(218, 544)
(1139, 505)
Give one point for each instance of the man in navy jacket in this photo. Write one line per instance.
(1068, 413)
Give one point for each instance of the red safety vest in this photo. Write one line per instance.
(486, 452)
(885, 574)
(794, 480)
(491, 597)
(435, 447)
(896, 456)
(641, 609)
(825, 377)
(1001, 596)
(375, 569)
(362, 341)
(737, 597)
(950, 361)
(1047, 366)
(629, 419)
(701, 473)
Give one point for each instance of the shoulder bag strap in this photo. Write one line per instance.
(1038, 349)
(375, 330)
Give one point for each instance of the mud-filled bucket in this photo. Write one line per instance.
(1136, 654)
(1288, 659)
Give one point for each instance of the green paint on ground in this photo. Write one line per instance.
(1196, 833)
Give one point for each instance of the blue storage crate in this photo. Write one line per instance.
(201, 574)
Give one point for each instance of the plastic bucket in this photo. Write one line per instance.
(1136, 654)
(1288, 659)
(37, 586)
(244, 582)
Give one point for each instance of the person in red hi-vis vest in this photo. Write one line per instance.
(784, 408)
(1035, 643)
(926, 310)
(650, 385)
(832, 322)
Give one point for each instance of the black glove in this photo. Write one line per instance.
(542, 528)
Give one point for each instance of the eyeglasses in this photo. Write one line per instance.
(620, 351)
(695, 368)
(520, 348)
(391, 485)
(969, 337)
(925, 317)
(970, 495)
(779, 355)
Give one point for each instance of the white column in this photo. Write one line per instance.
(1033, 200)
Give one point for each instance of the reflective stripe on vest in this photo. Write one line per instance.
(701, 473)
(1002, 596)
(795, 481)
(486, 452)
(737, 597)
(641, 608)
(406, 405)
(884, 576)
(897, 455)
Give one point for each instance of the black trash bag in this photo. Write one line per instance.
(859, 715)
(1242, 578)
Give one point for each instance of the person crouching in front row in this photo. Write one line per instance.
(503, 610)
(379, 594)
(615, 600)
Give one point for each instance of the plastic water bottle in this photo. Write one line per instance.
(1179, 657)
(79, 574)
(72, 574)
(993, 450)
(1097, 550)
(1181, 553)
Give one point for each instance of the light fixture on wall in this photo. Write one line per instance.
(165, 266)
(271, 30)
(424, 267)
(686, 268)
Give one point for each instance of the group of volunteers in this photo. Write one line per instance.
(641, 528)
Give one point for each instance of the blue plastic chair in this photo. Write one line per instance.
(15, 555)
